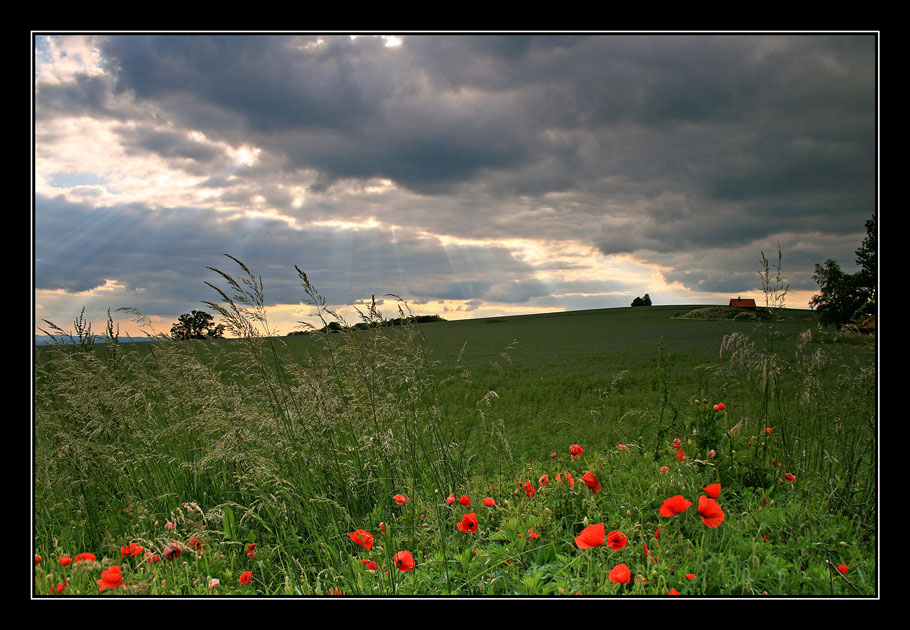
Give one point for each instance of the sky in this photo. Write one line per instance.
(470, 174)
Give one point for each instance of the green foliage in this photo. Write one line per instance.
(848, 298)
(197, 325)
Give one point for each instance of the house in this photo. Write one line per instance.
(741, 303)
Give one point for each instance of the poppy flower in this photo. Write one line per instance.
(37, 558)
(570, 479)
(169, 525)
(719, 407)
(529, 489)
(65, 560)
(790, 477)
(544, 480)
(690, 576)
(591, 536)
(172, 551)
(677, 443)
(767, 430)
(664, 469)
(842, 568)
(130, 550)
(404, 561)
(465, 501)
(382, 528)
(623, 447)
(154, 558)
(59, 588)
(576, 451)
(195, 543)
(673, 591)
(400, 499)
(674, 505)
(713, 490)
(620, 574)
(245, 577)
(489, 502)
(711, 514)
(533, 534)
(362, 537)
(468, 523)
(450, 499)
(214, 582)
(111, 578)
(370, 565)
(680, 455)
(85, 556)
(251, 548)
(616, 541)
(553, 455)
(591, 481)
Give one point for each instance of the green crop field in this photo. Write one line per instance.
(613, 452)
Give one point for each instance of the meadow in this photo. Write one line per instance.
(611, 452)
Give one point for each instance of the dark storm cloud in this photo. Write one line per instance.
(167, 144)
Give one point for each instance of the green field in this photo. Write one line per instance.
(292, 444)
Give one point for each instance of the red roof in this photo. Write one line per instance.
(739, 303)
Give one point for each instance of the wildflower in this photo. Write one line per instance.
(623, 447)
(362, 537)
(674, 505)
(59, 588)
(450, 499)
(130, 550)
(712, 453)
(719, 407)
(790, 477)
(690, 576)
(657, 531)
(336, 591)
(85, 556)
(616, 541)
(591, 536)
(677, 443)
(195, 543)
(544, 480)
(576, 451)
(664, 469)
(711, 514)
(680, 455)
(172, 551)
(400, 499)
(245, 577)
(842, 568)
(169, 525)
(767, 430)
(214, 582)
(468, 523)
(465, 500)
(489, 502)
(154, 558)
(553, 455)
(370, 565)
(571, 480)
(591, 481)
(529, 489)
(111, 578)
(620, 574)
(382, 528)
(404, 561)
(713, 490)
(673, 591)
(251, 549)
(65, 561)
(37, 558)
(532, 533)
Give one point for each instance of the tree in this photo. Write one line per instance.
(642, 301)
(847, 297)
(196, 325)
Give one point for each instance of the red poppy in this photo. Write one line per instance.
(370, 565)
(673, 591)
(711, 514)
(553, 455)
(404, 561)
(674, 505)
(360, 536)
(451, 498)
(172, 551)
(664, 469)
(468, 523)
(623, 447)
(620, 574)
(571, 480)
(195, 543)
(767, 430)
(616, 541)
(576, 451)
(544, 480)
(533, 534)
(111, 578)
(680, 455)
(85, 556)
(677, 443)
(591, 481)
(245, 577)
(251, 549)
(65, 560)
(382, 528)
(400, 499)
(154, 558)
(130, 550)
(842, 568)
(690, 576)
(529, 489)
(591, 536)
(713, 490)
(719, 407)
(790, 477)
(465, 501)
(37, 558)
(489, 502)
(59, 588)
